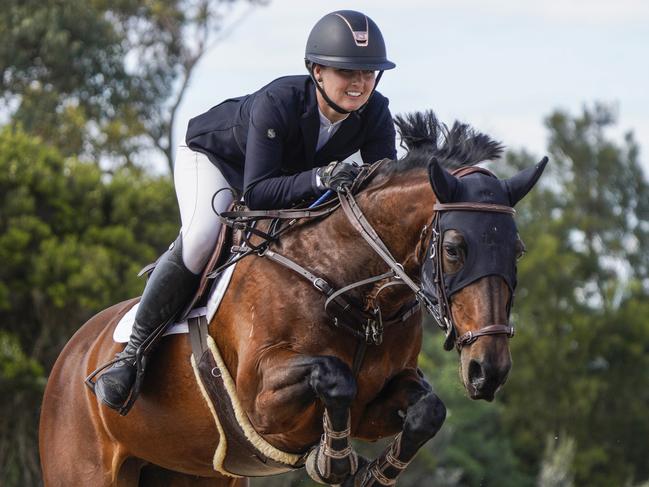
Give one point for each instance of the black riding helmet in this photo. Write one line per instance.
(346, 39)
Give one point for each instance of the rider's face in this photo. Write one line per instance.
(348, 89)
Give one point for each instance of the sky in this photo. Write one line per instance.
(500, 65)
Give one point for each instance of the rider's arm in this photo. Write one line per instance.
(265, 185)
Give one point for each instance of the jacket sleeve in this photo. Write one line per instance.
(381, 138)
(265, 185)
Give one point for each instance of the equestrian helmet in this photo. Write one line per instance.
(347, 39)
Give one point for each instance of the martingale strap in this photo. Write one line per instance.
(346, 313)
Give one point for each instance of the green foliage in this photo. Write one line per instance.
(581, 350)
(22, 383)
(71, 243)
(103, 78)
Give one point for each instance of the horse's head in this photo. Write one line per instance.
(469, 271)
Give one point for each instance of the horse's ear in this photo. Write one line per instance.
(444, 184)
(518, 186)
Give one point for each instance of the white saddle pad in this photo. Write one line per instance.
(123, 329)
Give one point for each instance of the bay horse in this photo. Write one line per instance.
(454, 243)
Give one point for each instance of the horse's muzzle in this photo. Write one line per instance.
(484, 379)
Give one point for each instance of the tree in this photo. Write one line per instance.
(104, 78)
(583, 335)
(71, 243)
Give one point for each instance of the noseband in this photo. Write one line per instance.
(441, 312)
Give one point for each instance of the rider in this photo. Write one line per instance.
(276, 147)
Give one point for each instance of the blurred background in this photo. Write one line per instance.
(96, 95)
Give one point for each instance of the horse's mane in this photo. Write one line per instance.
(424, 137)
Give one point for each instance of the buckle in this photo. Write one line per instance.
(321, 285)
(373, 328)
(433, 243)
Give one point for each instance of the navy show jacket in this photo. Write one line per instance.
(264, 143)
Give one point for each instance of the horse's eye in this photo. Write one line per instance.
(452, 251)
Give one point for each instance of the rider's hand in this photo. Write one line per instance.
(337, 175)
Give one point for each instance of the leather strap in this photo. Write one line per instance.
(471, 336)
(345, 313)
(318, 282)
(489, 207)
(360, 223)
(281, 214)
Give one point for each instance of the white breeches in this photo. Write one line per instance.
(197, 180)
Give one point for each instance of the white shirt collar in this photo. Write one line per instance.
(325, 122)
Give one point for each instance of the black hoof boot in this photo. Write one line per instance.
(114, 386)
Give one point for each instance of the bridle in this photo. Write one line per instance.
(441, 311)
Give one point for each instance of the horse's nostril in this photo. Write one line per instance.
(476, 374)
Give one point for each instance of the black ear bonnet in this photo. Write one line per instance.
(490, 237)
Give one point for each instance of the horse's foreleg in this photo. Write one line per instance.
(334, 459)
(295, 381)
(423, 415)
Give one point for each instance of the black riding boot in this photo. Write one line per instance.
(168, 290)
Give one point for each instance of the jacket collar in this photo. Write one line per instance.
(310, 121)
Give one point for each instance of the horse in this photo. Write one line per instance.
(305, 386)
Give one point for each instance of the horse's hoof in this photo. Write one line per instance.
(331, 478)
(360, 476)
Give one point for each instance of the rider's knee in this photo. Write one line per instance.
(197, 248)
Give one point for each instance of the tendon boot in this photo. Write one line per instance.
(168, 290)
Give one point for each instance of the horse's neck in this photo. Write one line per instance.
(398, 211)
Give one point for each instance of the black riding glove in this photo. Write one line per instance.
(337, 174)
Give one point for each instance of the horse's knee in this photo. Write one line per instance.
(333, 381)
(424, 418)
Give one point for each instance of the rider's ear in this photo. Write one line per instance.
(519, 185)
(444, 184)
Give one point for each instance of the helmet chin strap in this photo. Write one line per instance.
(311, 66)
